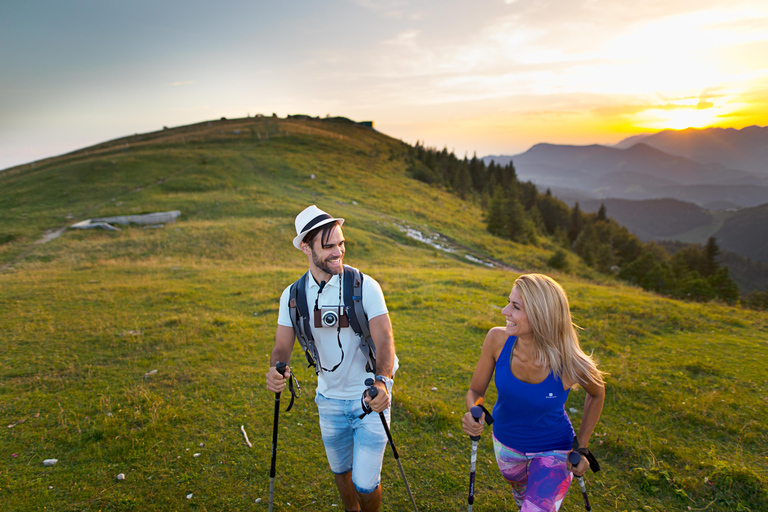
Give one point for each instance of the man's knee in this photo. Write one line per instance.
(366, 491)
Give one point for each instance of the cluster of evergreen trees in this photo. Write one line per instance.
(517, 211)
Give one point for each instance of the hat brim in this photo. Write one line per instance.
(297, 240)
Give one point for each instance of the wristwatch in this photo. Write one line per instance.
(387, 382)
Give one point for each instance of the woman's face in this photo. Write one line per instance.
(517, 319)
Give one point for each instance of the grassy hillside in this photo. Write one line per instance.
(88, 317)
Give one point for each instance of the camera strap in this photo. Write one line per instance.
(352, 286)
(300, 318)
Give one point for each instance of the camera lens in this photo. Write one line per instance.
(330, 318)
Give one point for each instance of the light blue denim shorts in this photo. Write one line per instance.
(352, 443)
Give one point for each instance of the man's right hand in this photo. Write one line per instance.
(276, 382)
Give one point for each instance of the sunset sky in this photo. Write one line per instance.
(491, 77)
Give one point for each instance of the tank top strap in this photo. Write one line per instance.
(506, 352)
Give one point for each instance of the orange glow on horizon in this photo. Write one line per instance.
(677, 119)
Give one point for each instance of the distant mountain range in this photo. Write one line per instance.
(745, 149)
(657, 219)
(713, 168)
(746, 232)
(684, 185)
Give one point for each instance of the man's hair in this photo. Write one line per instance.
(324, 231)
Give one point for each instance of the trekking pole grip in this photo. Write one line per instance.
(575, 458)
(280, 367)
(476, 413)
(372, 390)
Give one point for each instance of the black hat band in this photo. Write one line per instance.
(314, 222)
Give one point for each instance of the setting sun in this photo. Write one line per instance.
(513, 75)
(677, 118)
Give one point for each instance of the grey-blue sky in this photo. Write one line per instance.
(490, 76)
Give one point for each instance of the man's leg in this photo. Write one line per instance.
(348, 492)
(338, 440)
(370, 445)
(353, 500)
(370, 502)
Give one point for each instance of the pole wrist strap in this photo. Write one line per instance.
(593, 465)
(294, 393)
(488, 417)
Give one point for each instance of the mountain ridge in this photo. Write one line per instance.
(636, 175)
(745, 149)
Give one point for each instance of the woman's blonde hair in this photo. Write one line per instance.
(557, 343)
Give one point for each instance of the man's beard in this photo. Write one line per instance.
(323, 265)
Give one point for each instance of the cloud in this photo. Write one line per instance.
(407, 38)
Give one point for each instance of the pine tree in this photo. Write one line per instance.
(496, 222)
(601, 213)
(516, 220)
(576, 224)
(711, 251)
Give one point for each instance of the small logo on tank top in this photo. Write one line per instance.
(551, 395)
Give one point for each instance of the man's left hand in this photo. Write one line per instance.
(381, 401)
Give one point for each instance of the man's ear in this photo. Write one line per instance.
(305, 248)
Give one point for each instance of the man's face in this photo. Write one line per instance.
(329, 257)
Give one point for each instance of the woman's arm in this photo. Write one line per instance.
(481, 378)
(593, 406)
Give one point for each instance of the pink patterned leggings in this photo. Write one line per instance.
(539, 480)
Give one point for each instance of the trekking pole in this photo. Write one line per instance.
(574, 458)
(476, 412)
(372, 392)
(280, 367)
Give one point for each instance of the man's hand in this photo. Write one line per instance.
(276, 382)
(381, 401)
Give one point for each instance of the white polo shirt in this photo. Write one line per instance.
(347, 382)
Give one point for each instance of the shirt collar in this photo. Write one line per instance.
(333, 283)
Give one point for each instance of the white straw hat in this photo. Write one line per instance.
(310, 218)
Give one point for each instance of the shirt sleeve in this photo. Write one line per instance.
(373, 298)
(284, 315)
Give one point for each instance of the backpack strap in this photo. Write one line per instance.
(358, 320)
(299, 311)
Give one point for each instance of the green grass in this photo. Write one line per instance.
(85, 319)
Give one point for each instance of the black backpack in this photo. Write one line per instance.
(352, 281)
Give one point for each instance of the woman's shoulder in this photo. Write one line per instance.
(496, 336)
(494, 342)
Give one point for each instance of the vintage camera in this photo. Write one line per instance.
(329, 316)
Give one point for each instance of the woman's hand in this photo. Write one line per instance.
(472, 427)
(581, 468)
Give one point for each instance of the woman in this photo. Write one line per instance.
(537, 360)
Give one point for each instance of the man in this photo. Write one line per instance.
(354, 446)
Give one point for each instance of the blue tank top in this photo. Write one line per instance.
(529, 417)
